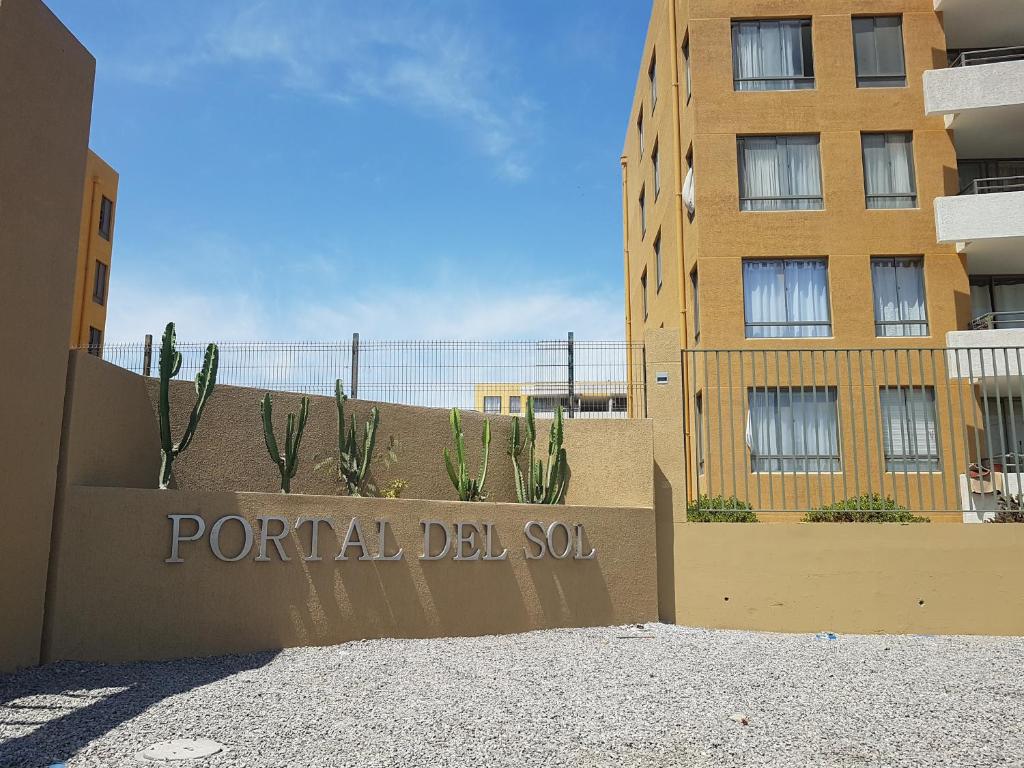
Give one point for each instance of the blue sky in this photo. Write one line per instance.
(304, 169)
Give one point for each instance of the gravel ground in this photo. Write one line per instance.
(636, 696)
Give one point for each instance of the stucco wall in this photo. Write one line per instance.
(868, 578)
(113, 440)
(46, 80)
(115, 597)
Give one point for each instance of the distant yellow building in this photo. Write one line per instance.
(95, 246)
(591, 399)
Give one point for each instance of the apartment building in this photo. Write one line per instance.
(792, 177)
(590, 399)
(95, 248)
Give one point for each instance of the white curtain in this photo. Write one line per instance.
(793, 430)
(765, 53)
(779, 173)
(781, 295)
(889, 170)
(898, 286)
(908, 429)
(689, 192)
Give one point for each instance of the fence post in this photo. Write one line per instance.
(355, 365)
(572, 376)
(147, 355)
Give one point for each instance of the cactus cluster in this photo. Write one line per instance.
(354, 455)
(170, 364)
(543, 483)
(287, 462)
(468, 489)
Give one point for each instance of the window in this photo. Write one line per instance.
(640, 130)
(643, 289)
(793, 430)
(1003, 438)
(698, 426)
(657, 170)
(878, 51)
(492, 404)
(643, 211)
(689, 192)
(786, 298)
(619, 404)
(696, 303)
(898, 288)
(515, 404)
(95, 341)
(106, 217)
(909, 436)
(971, 171)
(997, 301)
(657, 260)
(686, 66)
(889, 170)
(779, 173)
(652, 73)
(99, 285)
(772, 55)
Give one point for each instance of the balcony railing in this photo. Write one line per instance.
(988, 56)
(998, 320)
(992, 185)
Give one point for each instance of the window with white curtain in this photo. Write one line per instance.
(779, 173)
(909, 434)
(1002, 295)
(786, 298)
(515, 404)
(897, 285)
(878, 51)
(793, 429)
(772, 55)
(492, 404)
(889, 178)
(686, 65)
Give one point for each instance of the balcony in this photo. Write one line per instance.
(981, 97)
(986, 222)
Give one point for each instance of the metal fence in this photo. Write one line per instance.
(587, 378)
(788, 430)
(970, 58)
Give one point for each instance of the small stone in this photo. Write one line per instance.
(738, 718)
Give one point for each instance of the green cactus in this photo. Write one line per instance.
(287, 462)
(170, 364)
(543, 483)
(469, 489)
(354, 456)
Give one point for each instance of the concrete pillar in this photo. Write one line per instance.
(665, 408)
(46, 81)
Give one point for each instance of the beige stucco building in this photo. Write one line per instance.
(790, 182)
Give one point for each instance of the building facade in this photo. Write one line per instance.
(791, 204)
(95, 248)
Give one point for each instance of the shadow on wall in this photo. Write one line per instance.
(90, 701)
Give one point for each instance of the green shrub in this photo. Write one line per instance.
(869, 508)
(719, 509)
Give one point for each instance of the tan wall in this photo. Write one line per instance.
(46, 80)
(914, 579)
(113, 440)
(100, 181)
(138, 606)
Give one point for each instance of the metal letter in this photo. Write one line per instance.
(579, 546)
(427, 525)
(354, 528)
(265, 536)
(461, 539)
(551, 540)
(314, 536)
(176, 534)
(382, 527)
(215, 538)
(541, 544)
(488, 550)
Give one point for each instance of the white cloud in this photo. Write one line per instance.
(390, 51)
(479, 312)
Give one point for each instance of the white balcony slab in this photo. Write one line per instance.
(983, 88)
(992, 358)
(982, 23)
(996, 218)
